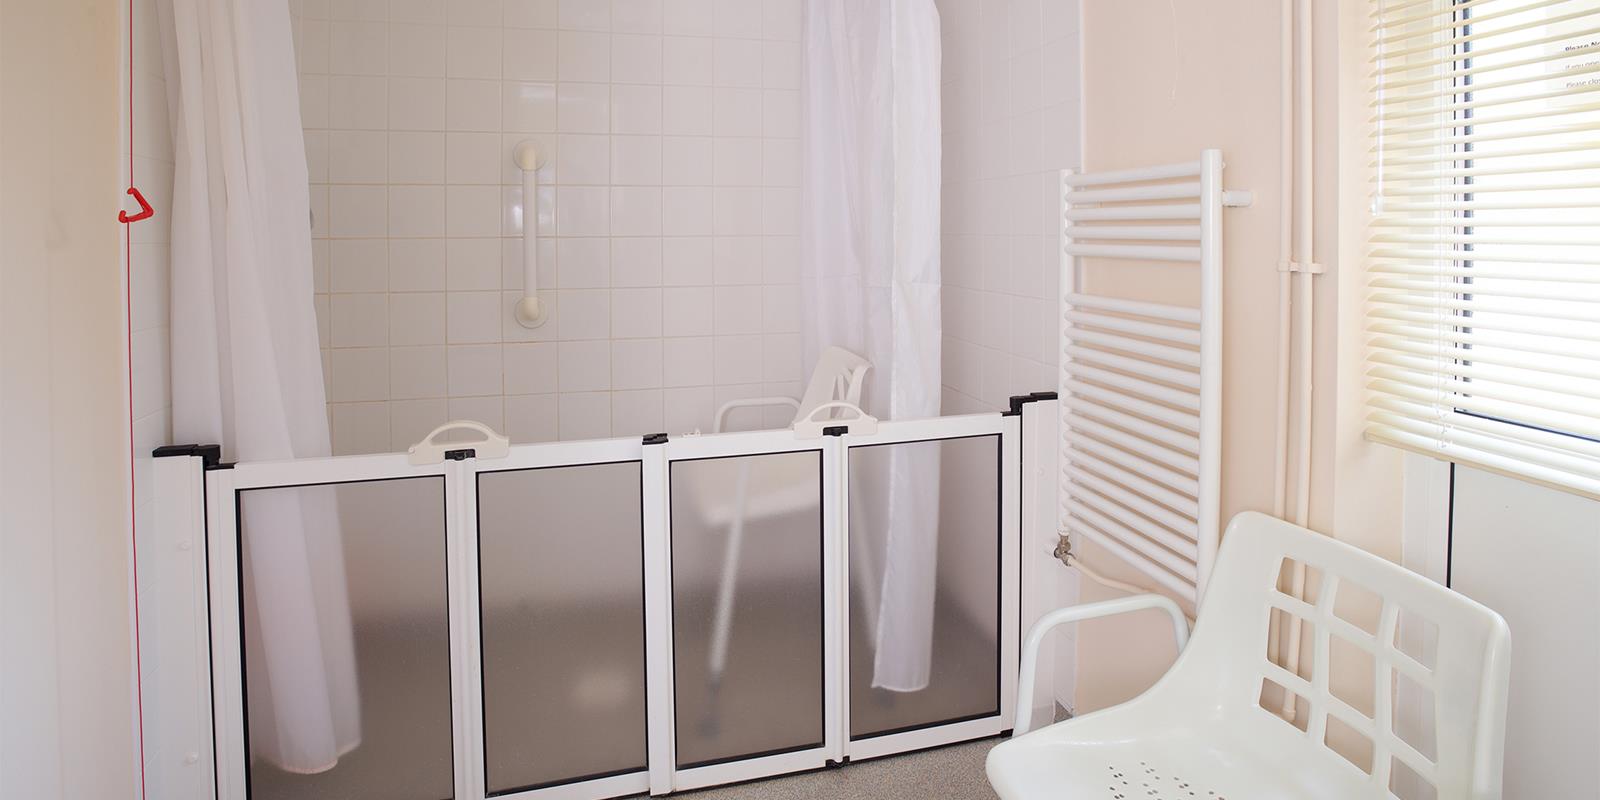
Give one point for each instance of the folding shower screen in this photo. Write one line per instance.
(542, 624)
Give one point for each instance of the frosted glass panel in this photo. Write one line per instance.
(347, 642)
(747, 605)
(561, 559)
(925, 572)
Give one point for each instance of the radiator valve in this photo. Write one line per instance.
(1063, 551)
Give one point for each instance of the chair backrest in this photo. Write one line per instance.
(1363, 619)
(839, 375)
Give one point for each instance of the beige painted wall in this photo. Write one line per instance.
(66, 683)
(1163, 80)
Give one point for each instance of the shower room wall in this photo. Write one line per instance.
(667, 212)
(1011, 122)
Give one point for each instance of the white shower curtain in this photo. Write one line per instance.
(246, 363)
(870, 277)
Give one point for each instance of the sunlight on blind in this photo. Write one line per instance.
(1484, 309)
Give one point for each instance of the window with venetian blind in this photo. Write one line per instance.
(1484, 305)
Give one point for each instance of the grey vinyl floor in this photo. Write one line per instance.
(946, 773)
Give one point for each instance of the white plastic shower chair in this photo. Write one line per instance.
(838, 378)
(1201, 732)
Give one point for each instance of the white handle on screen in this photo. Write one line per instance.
(530, 311)
(431, 451)
(860, 424)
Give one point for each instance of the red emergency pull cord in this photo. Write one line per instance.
(145, 211)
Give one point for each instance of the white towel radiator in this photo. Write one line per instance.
(1141, 382)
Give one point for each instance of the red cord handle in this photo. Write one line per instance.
(145, 211)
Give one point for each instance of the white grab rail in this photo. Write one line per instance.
(531, 312)
(1140, 381)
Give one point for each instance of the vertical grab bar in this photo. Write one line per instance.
(530, 312)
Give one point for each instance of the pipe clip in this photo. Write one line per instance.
(1294, 266)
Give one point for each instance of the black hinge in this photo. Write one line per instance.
(209, 454)
(655, 438)
(460, 455)
(1020, 400)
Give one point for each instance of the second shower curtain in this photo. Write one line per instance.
(870, 281)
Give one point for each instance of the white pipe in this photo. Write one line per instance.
(1280, 451)
(1304, 254)
(531, 312)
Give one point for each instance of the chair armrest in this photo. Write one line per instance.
(1078, 613)
(751, 402)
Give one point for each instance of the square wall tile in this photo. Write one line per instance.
(531, 13)
(416, 265)
(583, 263)
(474, 370)
(636, 313)
(583, 107)
(636, 413)
(473, 53)
(687, 361)
(636, 261)
(689, 17)
(359, 427)
(688, 409)
(636, 58)
(473, 264)
(416, 318)
(687, 261)
(636, 160)
(636, 364)
(411, 420)
(687, 61)
(636, 109)
(584, 366)
(636, 16)
(584, 415)
(416, 372)
(585, 313)
(416, 157)
(688, 311)
(487, 410)
(529, 106)
(358, 265)
(529, 55)
(416, 104)
(416, 211)
(472, 317)
(359, 320)
(531, 418)
(472, 105)
(584, 56)
(360, 374)
(531, 368)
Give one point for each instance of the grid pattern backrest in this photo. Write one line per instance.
(1465, 674)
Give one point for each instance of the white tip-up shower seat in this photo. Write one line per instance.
(1201, 731)
(772, 490)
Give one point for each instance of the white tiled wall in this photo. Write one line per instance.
(1011, 119)
(668, 211)
(150, 250)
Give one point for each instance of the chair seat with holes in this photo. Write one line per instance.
(1415, 709)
